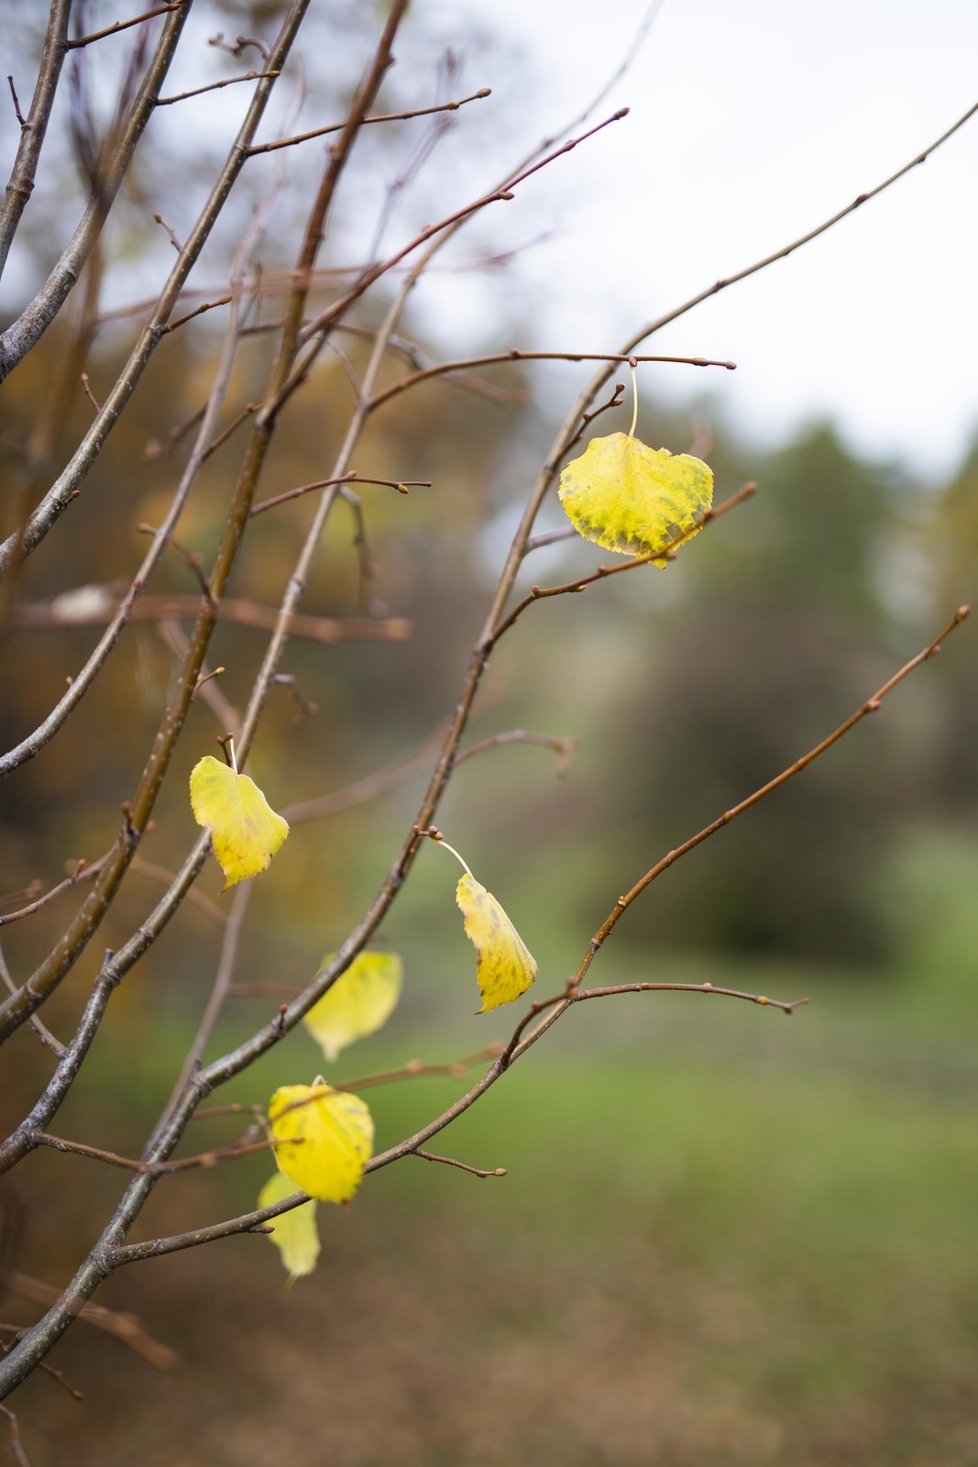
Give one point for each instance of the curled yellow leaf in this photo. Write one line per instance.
(296, 1236)
(504, 966)
(245, 830)
(325, 1139)
(634, 499)
(359, 1002)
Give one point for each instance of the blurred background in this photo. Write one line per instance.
(724, 1237)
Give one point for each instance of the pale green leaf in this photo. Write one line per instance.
(634, 499)
(245, 830)
(359, 1002)
(296, 1236)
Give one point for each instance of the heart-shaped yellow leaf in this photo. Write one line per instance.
(326, 1138)
(504, 966)
(296, 1236)
(245, 830)
(359, 1002)
(634, 499)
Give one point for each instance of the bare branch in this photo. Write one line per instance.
(123, 25)
(499, 1171)
(125, 1327)
(513, 355)
(321, 132)
(229, 81)
(665, 552)
(32, 322)
(563, 748)
(16, 547)
(352, 477)
(95, 611)
(21, 183)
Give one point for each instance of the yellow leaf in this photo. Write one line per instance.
(296, 1236)
(634, 499)
(244, 828)
(328, 1136)
(504, 967)
(359, 1002)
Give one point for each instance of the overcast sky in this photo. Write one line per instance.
(750, 123)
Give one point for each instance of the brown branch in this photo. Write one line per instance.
(603, 572)
(223, 300)
(499, 1171)
(361, 790)
(125, 1327)
(17, 1330)
(321, 132)
(559, 1006)
(153, 872)
(16, 1440)
(796, 244)
(84, 871)
(228, 81)
(41, 1030)
(417, 1070)
(44, 615)
(532, 356)
(563, 748)
(209, 1112)
(16, 101)
(204, 1159)
(320, 325)
(169, 231)
(401, 485)
(123, 25)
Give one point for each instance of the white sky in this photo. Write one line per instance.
(750, 123)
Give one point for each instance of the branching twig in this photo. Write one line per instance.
(125, 1327)
(603, 572)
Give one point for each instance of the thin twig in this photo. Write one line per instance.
(499, 1171)
(417, 1070)
(562, 747)
(321, 132)
(464, 363)
(604, 572)
(125, 1327)
(182, 321)
(204, 1159)
(229, 81)
(40, 1029)
(401, 485)
(84, 871)
(16, 101)
(96, 611)
(123, 25)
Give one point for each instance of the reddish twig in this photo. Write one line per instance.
(321, 132)
(423, 374)
(229, 81)
(401, 485)
(475, 1171)
(83, 871)
(603, 572)
(123, 25)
